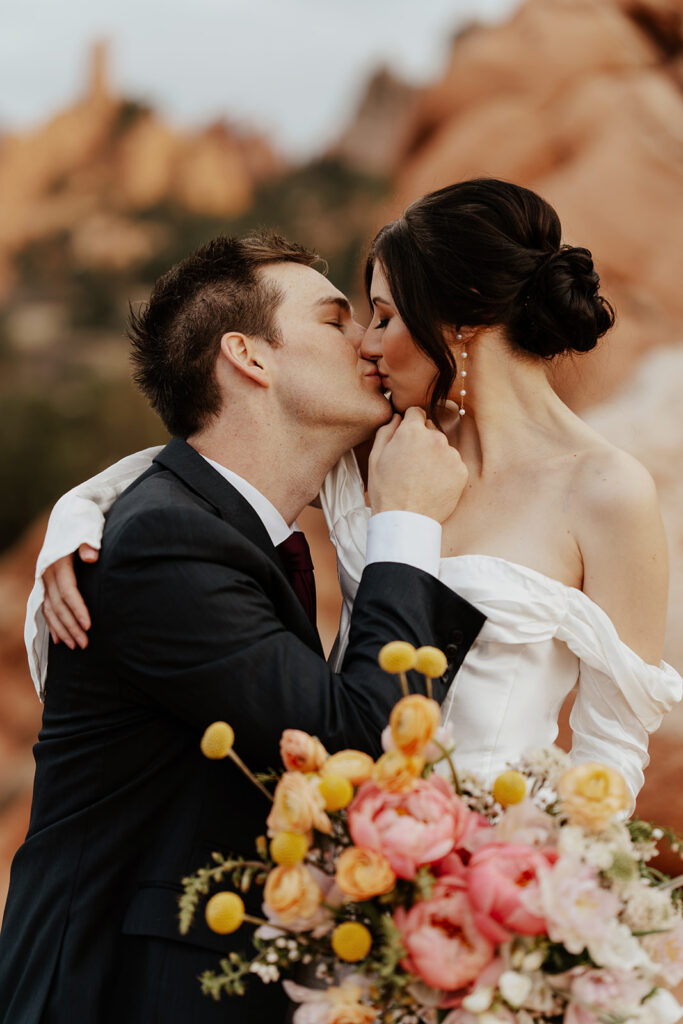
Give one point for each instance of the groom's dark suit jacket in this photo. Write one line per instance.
(193, 620)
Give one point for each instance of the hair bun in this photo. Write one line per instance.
(562, 308)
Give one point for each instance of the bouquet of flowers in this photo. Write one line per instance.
(400, 891)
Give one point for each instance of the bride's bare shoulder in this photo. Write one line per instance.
(609, 480)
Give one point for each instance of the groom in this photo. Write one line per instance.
(198, 613)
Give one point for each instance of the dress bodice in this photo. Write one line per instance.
(539, 640)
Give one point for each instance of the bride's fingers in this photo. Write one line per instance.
(57, 630)
(88, 553)
(64, 621)
(384, 435)
(65, 580)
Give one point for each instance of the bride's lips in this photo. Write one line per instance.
(373, 375)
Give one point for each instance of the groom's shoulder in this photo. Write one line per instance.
(161, 504)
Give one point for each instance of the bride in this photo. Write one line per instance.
(557, 538)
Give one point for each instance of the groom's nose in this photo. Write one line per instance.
(357, 335)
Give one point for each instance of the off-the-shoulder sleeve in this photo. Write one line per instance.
(77, 518)
(342, 498)
(621, 699)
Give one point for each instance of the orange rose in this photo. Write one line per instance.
(414, 721)
(301, 752)
(298, 806)
(353, 765)
(362, 874)
(291, 894)
(397, 773)
(592, 795)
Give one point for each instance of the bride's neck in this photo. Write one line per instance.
(512, 413)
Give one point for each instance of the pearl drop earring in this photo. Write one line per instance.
(463, 375)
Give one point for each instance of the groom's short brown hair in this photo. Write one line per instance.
(176, 336)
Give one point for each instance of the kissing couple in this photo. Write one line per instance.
(497, 527)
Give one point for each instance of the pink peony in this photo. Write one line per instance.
(500, 880)
(578, 911)
(595, 994)
(443, 946)
(526, 824)
(665, 949)
(410, 829)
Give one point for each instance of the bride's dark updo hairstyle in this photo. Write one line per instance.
(487, 252)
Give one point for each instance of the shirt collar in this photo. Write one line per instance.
(277, 528)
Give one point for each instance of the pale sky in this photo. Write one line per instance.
(294, 68)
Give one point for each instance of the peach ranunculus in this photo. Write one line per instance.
(410, 829)
(362, 874)
(339, 1004)
(301, 752)
(501, 878)
(298, 806)
(353, 765)
(397, 772)
(443, 945)
(414, 721)
(291, 896)
(592, 795)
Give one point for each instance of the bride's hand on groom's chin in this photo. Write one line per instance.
(414, 469)
(64, 609)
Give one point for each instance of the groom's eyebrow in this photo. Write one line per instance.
(336, 300)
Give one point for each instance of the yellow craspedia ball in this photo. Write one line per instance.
(351, 941)
(509, 788)
(217, 741)
(224, 912)
(398, 656)
(288, 848)
(337, 792)
(430, 661)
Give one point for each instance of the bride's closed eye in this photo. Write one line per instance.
(381, 324)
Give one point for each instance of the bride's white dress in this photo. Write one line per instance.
(539, 640)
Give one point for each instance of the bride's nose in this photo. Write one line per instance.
(371, 347)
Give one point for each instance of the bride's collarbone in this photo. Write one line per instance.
(529, 529)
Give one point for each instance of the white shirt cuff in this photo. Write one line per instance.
(405, 537)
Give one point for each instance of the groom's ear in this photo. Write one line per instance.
(242, 352)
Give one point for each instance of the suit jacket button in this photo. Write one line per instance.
(451, 651)
(456, 637)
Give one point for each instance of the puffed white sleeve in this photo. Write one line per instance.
(77, 518)
(342, 498)
(621, 699)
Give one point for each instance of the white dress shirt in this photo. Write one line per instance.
(78, 518)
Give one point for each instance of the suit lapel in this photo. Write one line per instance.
(195, 472)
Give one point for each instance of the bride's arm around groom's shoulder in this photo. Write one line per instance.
(624, 550)
(77, 520)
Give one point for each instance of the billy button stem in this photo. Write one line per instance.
(217, 743)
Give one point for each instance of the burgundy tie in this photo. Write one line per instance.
(296, 558)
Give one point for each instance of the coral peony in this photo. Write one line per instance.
(443, 945)
(410, 829)
(500, 880)
(301, 752)
(298, 806)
